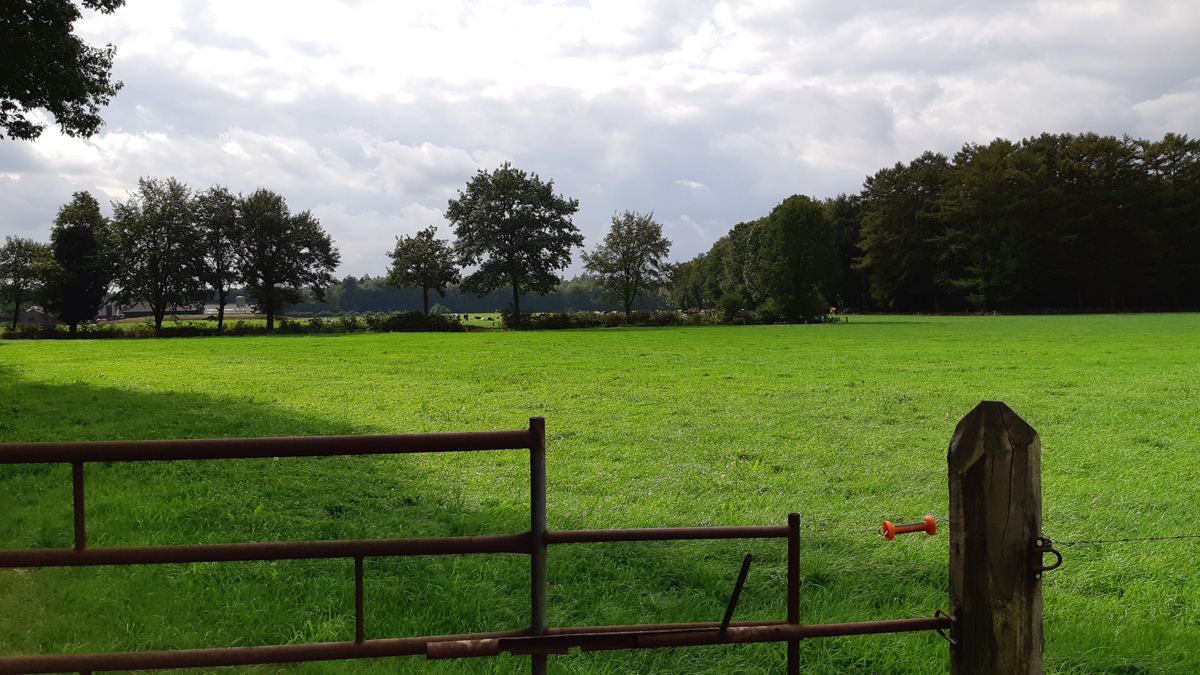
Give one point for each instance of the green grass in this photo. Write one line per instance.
(847, 424)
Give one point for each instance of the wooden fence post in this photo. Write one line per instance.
(995, 518)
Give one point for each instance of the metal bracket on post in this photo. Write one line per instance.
(1038, 549)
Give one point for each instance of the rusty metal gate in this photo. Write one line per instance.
(537, 641)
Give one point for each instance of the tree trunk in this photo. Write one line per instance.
(158, 319)
(628, 306)
(16, 311)
(516, 302)
(425, 298)
(270, 319)
(74, 327)
(222, 296)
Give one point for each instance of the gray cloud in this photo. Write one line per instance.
(373, 114)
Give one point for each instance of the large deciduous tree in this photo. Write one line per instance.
(24, 264)
(515, 229)
(280, 252)
(423, 261)
(157, 248)
(79, 244)
(216, 222)
(46, 66)
(632, 257)
(796, 262)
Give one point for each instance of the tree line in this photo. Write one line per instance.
(169, 247)
(1052, 222)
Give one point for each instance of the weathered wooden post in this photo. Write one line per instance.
(995, 523)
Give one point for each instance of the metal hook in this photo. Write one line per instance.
(1042, 546)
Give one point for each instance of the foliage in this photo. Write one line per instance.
(46, 66)
(371, 322)
(515, 229)
(632, 257)
(78, 282)
(795, 262)
(561, 320)
(374, 294)
(1051, 222)
(779, 268)
(24, 267)
(157, 248)
(900, 221)
(425, 262)
(280, 252)
(216, 221)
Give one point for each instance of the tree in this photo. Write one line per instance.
(632, 257)
(23, 267)
(796, 263)
(421, 261)
(281, 252)
(518, 232)
(158, 248)
(78, 282)
(216, 221)
(899, 224)
(47, 67)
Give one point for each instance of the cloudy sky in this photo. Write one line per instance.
(373, 113)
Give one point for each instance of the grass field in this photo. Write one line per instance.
(846, 424)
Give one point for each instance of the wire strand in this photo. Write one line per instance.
(1083, 542)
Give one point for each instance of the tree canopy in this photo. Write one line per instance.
(518, 233)
(215, 211)
(280, 252)
(47, 67)
(1056, 221)
(423, 261)
(24, 265)
(632, 257)
(79, 244)
(158, 248)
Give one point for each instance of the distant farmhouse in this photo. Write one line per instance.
(239, 306)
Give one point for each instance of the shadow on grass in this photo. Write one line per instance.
(286, 499)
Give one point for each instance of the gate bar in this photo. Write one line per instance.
(652, 638)
(592, 638)
(668, 534)
(278, 550)
(259, 448)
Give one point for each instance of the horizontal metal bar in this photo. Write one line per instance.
(283, 550)
(666, 534)
(231, 656)
(254, 448)
(653, 637)
(456, 646)
(655, 627)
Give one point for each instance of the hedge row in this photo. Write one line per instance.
(382, 322)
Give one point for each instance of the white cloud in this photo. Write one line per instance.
(373, 113)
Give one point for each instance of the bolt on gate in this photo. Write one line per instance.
(538, 640)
